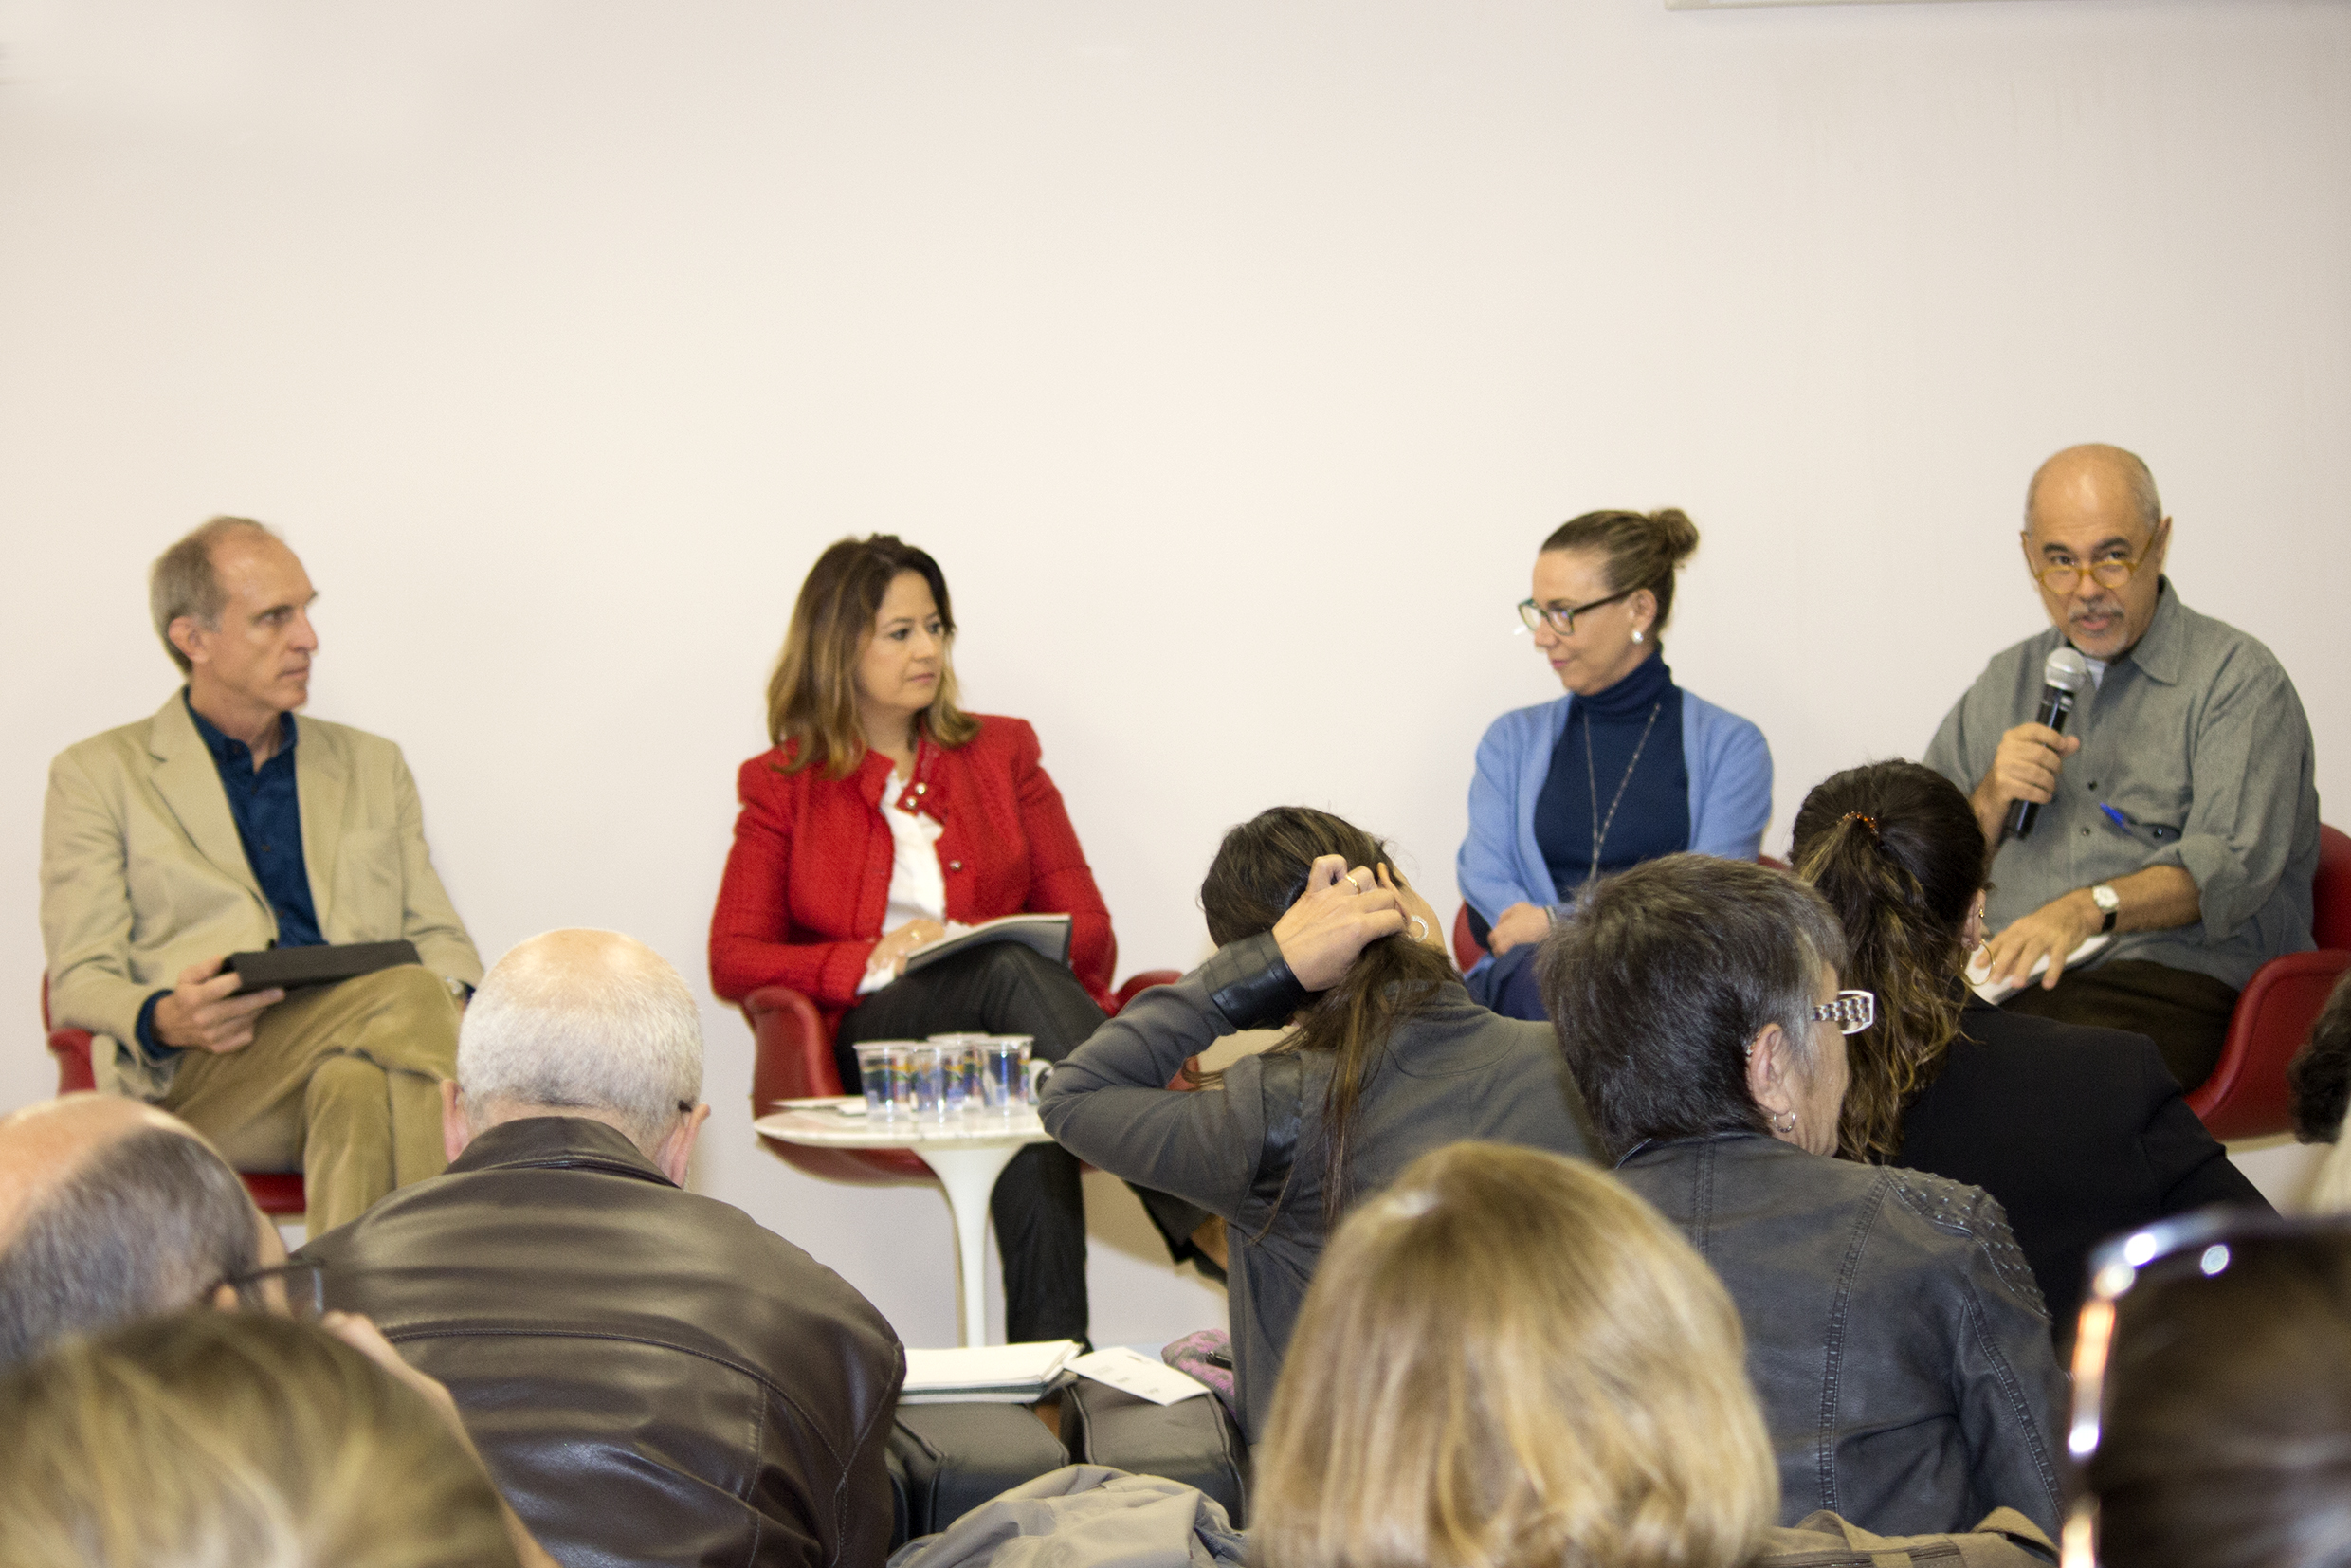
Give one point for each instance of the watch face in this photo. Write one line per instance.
(2106, 898)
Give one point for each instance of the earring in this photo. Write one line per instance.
(1636, 634)
(1784, 1121)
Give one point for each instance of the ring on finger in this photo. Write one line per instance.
(1353, 885)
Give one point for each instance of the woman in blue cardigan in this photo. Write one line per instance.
(1625, 768)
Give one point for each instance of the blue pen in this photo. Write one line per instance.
(2128, 824)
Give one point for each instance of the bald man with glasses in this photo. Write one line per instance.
(2178, 816)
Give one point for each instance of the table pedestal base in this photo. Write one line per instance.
(969, 1174)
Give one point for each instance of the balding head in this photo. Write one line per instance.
(112, 1210)
(583, 1023)
(2096, 475)
(2089, 509)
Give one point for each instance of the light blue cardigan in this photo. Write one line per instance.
(1500, 864)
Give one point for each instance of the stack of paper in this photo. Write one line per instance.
(1008, 1375)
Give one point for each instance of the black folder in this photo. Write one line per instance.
(293, 968)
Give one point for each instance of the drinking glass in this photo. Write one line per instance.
(882, 1071)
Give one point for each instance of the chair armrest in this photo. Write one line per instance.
(1466, 949)
(1137, 984)
(71, 1047)
(792, 1048)
(2246, 1096)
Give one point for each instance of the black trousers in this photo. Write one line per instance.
(2185, 1013)
(1039, 1207)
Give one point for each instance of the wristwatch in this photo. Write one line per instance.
(2109, 903)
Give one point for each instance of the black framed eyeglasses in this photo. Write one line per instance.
(296, 1289)
(1851, 1011)
(2176, 1254)
(1562, 617)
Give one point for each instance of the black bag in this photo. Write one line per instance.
(946, 1460)
(1193, 1441)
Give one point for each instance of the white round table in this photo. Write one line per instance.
(966, 1153)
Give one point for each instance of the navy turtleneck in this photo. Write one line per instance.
(1653, 818)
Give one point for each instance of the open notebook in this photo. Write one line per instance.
(1048, 933)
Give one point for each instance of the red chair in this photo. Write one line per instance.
(1468, 950)
(277, 1193)
(2246, 1095)
(793, 1060)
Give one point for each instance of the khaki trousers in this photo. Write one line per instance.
(341, 1082)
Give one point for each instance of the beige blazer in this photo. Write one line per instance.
(142, 873)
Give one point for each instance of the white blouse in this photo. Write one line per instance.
(918, 886)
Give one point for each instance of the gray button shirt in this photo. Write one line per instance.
(2197, 741)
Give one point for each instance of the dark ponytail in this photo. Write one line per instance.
(1259, 872)
(1897, 851)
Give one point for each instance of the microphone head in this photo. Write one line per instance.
(2066, 669)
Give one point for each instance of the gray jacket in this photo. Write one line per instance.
(1251, 1149)
(1085, 1514)
(1895, 1334)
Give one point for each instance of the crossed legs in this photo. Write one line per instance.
(342, 1083)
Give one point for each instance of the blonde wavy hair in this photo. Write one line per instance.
(234, 1440)
(1508, 1360)
(811, 698)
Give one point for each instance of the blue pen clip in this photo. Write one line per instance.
(2116, 817)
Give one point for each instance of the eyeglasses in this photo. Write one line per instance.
(2169, 1256)
(2110, 571)
(1853, 1012)
(296, 1289)
(1561, 618)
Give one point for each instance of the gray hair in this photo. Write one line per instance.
(182, 581)
(1663, 977)
(148, 1224)
(2136, 477)
(587, 1020)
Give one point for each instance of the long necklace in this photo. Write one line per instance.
(1591, 771)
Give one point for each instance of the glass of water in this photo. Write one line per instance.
(883, 1071)
(1002, 1062)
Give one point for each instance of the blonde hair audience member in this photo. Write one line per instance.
(1509, 1360)
(235, 1440)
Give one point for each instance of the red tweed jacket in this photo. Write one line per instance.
(807, 881)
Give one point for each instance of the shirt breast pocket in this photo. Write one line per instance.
(2154, 814)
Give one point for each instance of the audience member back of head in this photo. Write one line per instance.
(2226, 1433)
(234, 1440)
(119, 1213)
(2079, 1132)
(651, 1377)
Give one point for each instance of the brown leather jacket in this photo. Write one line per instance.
(651, 1376)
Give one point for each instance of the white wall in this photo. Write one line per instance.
(1232, 357)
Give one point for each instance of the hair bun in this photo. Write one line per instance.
(1676, 534)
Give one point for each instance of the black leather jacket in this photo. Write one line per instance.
(651, 1376)
(1895, 1334)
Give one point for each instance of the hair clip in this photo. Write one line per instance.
(1864, 818)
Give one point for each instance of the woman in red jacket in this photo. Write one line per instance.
(884, 812)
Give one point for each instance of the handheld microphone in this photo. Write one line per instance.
(2062, 676)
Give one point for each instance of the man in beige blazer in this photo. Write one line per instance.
(219, 825)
